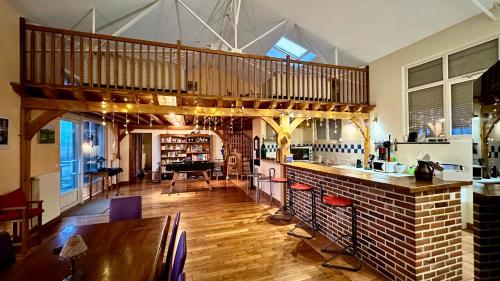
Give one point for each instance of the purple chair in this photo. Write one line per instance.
(182, 277)
(180, 257)
(125, 208)
(171, 244)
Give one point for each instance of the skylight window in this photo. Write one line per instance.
(285, 47)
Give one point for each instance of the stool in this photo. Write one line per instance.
(299, 187)
(232, 167)
(271, 179)
(351, 249)
(250, 178)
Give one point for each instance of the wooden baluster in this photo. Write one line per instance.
(140, 65)
(32, 57)
(42, 58)
(274, 71)
(62, 51)
(72, 60)
(237, 78)
(254, 77)
(323, 89)
(163, 68)
(219, 75)
(200, 63)
(124, 66)
(317, 84)
(115, 65)
(99, 62)
(148, 68)
(308, 83)
(212, 80)
(155, 70)
(303, 78)
(287, 78)
(52, 59)
(108, 65)
(133, 84)
(186, 67)
(330, 80)
(367, 84)
(178, 79)
(81, 62)
(294, 92)
(206, 75)
(22, 51)
(232, 74)
(267, 87)
(193, 66)
(248, 78)
(170, 74)
(225, 76)
(90, 64)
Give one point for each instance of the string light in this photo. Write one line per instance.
(151, 120)
(113, 119)
(103, 118)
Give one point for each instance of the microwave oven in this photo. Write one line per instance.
(383, 166)
(302, 153)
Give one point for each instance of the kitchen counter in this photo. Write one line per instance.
(406, 184)
(407, 229)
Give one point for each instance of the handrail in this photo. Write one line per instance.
(66, 58)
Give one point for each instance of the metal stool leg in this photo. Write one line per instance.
(351, 249)
(270, 193)
(302, 224)
(287, 210)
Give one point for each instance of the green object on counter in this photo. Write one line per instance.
(410, 170)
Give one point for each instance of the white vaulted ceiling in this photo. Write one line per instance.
(362, 30)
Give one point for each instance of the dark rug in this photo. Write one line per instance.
(94, 207)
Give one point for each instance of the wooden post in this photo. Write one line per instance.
(367, 85)
(25, 153)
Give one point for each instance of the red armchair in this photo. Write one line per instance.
(15, 208)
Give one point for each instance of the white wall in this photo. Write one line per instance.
(387, 93)
(386, 73)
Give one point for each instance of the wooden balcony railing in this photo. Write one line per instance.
(65, 58)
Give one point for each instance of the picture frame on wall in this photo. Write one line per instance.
(47, 135)
(4, 132)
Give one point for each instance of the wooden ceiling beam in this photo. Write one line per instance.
(79, 106)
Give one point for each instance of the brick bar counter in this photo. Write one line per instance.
(486, 233)
(407, 230)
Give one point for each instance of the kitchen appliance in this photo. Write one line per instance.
(424, 171)
(302, 153)
(381, 152)
(452, 172)
(370, 161)
(384, 166)
(358, 163)
(477, 172)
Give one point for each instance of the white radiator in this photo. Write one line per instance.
(46, 187)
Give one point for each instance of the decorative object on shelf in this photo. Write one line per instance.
(263, 150)
(73, 248)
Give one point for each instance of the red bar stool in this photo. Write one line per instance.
(280, 180)
(300, 187)
(351, 248)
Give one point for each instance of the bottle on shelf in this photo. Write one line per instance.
(263, 150)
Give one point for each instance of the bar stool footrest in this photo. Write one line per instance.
(344, 252)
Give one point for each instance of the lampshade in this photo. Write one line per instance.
(74, 246)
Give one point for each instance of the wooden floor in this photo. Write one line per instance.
(230, 237)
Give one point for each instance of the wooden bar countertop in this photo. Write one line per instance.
(406, 184)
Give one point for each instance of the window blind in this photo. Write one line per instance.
(426, 73)
(426, 106)
(461, 108)
(473, 59)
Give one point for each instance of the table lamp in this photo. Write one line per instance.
(73, 247)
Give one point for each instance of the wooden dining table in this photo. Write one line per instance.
(125, 250)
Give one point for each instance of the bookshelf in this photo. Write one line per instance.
(178, 147)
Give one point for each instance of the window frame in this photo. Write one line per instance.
(446, 83)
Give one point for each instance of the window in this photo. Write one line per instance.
(474, 59)
(335, 129)
(426, 111)
(93, 146)
(68, 150)
(461, 108)
(285, 47)
(331, 130)
(439, 92)
(425, 73)
(320, 126)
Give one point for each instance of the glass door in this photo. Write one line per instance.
(69, 156)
